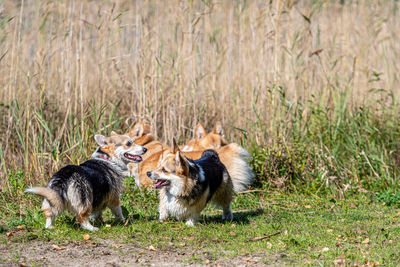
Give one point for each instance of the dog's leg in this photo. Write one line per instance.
(115, 207)
(117, 212)
(227, 213)
(164, 214)
(97, 216)
(83, 219)
(192, 220)
(49, 218)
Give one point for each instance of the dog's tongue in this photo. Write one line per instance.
(133, 157)
(157, 184)
(160, 183)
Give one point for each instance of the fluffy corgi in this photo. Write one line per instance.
(186, 186)
(203, 141)
(233, 156)
(87, 189)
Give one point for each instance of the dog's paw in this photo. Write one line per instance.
(228, 216)
(190, 223)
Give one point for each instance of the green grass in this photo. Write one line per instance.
(309, 229)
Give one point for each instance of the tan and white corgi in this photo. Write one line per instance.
(141, 135)
(87, 189)
(203, 141)
(186, 186)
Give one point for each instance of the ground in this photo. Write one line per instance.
(268, 229)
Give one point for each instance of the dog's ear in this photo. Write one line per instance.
(101, 140)
(199, 131)
(182, 165)
(218, 128)
(146, 129)
(175, 147)
(137, 130)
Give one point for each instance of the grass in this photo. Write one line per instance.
(308, 229)
(309, 88)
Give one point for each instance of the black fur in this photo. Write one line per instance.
(93, 180)
(213, 170)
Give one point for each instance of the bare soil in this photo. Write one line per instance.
(109, 253)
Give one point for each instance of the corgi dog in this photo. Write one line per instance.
(141, 135)
(233, 156)
(203, 141)
(87, 189)
(186, 186)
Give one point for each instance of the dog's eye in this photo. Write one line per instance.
(163, 170)
(129, 144)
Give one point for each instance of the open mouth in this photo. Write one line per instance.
(161, 183)
(134, 158)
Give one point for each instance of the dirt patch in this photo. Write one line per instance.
(109, 253)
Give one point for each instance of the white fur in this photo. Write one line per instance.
(187, 148)
(239, 170)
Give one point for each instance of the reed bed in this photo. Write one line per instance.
(310, 87)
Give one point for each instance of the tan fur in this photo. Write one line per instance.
(233, 156)
(177, 201)
(83, 217)
(203, 141)
(47, 213)
(141, 135)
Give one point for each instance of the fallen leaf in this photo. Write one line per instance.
(232, 233)
(86, 236)
(58, 248)
(365, 241)
(207, 261)
(307, 206)
(269, 245)
(117, 246)
(339, 262)
(20, 227)
(325, 249)
(108, 225)
(329, 230)
(21, 264)
(250, 262)
(10, 234)
(233, 226)
(152, 248)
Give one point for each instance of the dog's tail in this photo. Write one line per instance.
(52, 196)
(237, 164)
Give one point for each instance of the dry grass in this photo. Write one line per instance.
(174, 63)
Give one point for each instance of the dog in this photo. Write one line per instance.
(87, 189)
(233, 156)
(141, 135)
(186, 186)
(203, 141)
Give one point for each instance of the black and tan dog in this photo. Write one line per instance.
(186, 186)
(87, 189)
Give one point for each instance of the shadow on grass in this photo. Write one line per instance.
(241, 217)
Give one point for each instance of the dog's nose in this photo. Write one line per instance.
(149, 173)
(144, 150)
